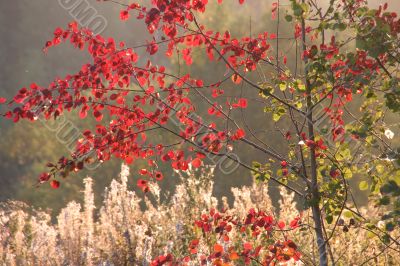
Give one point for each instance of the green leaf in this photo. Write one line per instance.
(385, 200)
(301, 87)
(304, 7)
(288, 18)
(340, 26)
(389, 226)
(276, 116)
(380, 168)
(389, 187)
(348, 214)
(363, 185)
(297, 9)
(347, 173)
(386, 239)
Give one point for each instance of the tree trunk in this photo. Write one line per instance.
(316, 211)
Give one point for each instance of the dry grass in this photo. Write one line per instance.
(127, 234)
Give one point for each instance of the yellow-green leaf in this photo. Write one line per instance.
(363, 185)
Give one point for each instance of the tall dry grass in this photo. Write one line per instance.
(122, 232)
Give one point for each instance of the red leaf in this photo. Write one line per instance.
(234, 256)
(143, 171)
(247, 246)
(199, 83)
(274, 9)
(128, 160)
(295, 223)
(196, 163)
(239, 134)
(236, 79)
(200, 155)
(152, 48)
(243, 103)
(143, 185)
(2, 100)
(218, 248)
(124, 15)
(281, 225)
(54, 184)
(83, 112)
(98, 116)
(159, 176)
(187, 56)
(44, 177)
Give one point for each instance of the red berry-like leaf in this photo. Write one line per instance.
(55, 184)
(281, 225)
(236, 79)
(124, 15)
(158, 176)
(196, 163)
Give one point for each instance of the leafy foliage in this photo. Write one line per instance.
(312, 110)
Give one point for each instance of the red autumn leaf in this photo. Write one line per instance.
(199, 83)
(83, 113)
(143, 185)
(247, 246)
(184, 166)
(274, 9)
(143, 171)
(124, 15)
(128, 160)
(196, 163)
(239, 134)
(226, 238)
(218, 248)
(54, 184)
(242, 103)
(193, 251)
(152, 48)
(236, 79)
(2, 100)
(44, 177)
(187, 56)
(294, 223)
(234, 256)
(159, 176)
(281, 225)
(200, 155)
(288, 136)
(98, 116)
